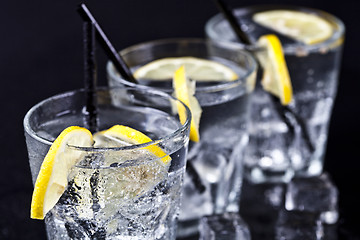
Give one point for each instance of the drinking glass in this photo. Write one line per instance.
(214, 169)
(289, 140)
(114, 192)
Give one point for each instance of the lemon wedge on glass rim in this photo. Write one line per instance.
(301, 26)
(124, 135)
(196, 69)
(132, 180)
(276, 78)
(52, 178)
(184, 90)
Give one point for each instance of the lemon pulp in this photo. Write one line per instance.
(196, 68)
(184, 90)
(276, 78)
(52, 178)
(301, 26)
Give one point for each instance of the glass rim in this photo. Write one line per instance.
(337, 34)
(172, 135)
(201, 89)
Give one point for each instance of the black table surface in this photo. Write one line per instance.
(41, 55)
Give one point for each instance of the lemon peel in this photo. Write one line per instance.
(276, 78)
(52, 178)
(133, 136)
(184, 90)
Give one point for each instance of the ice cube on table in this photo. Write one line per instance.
(298, 225)
(224, 226)
(313, 194)
(259, 207)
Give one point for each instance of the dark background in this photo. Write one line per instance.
(41, 55)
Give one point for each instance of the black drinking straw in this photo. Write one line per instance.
(302, 125)
(109, 49)
(90, 80)
(281, 109)
(195, 177)
(90, 76)
(124, 70)
(229, 15)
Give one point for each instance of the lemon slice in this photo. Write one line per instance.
(184, 90)
(276, 78)
(120, 135)
(304, 27)
(196, 69)
(52, 179)
(131, 180)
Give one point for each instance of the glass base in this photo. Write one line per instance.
(258, 175)
(313, 169)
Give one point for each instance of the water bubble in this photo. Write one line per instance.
(265, 112)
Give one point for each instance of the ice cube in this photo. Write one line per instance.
(259, 207)
(298, 225)
(313, 194)
(223, 227)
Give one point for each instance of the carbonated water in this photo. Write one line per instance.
(288, 140)
(213, 176)
(127, 194)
